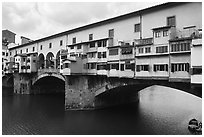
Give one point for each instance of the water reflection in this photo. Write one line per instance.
(161, 110)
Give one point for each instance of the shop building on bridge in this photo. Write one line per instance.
(153, 43)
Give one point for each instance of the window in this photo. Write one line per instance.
(104, 43)
(78, 46)
(61, 42)
(115, 66)
(23, 67)
(137, 27)
(50, 45)
(104, 55)
(91, 55)
(147, 49)
(111, 33)
(92, 45)
(7, 54)
(21, 51)
(3, 53)
(66, 65)
(160, 67)
(113, 52)
(125, 51)
(165, 33)
(28, 67)
(91, 65)
(101, 67)
(99, 54)
(171, 21)
(122, 67)
(74, 40)
(140, 50)
(162, 49)
(157, 34)
(99, 43)
(33, 48)
(27, 50)
(197, 71)
(142, 68)
(128, 66)
(10, 53)
(24, 59)
(72, 47)
(180, 46)
(34, 61)
(179, 67)
(90, 36)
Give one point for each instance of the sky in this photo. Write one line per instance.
(36, 20)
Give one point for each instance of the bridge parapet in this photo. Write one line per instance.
(48, 70)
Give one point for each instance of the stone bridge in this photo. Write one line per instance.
(90, 92)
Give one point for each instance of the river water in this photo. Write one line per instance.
(161, 110)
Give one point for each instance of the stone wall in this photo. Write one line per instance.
(22, 83)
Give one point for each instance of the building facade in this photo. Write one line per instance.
(7, 38)
(153, 43)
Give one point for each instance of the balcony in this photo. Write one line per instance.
(142, 42)
(184, 34)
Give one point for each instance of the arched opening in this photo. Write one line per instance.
(49, 85)
(117, 96)
(58, 60)
(50, 60)
(41, 61)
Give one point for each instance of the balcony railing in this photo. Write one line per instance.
(147, 41)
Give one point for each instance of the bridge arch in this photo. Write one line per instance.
(50, 60)
(48, 75)
(124, 92)
(48, 84)
(41, 61)
(7, 80)
(138, 87)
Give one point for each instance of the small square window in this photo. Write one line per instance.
(111, 33)
(90, 36)
(171, 21)
(74, 40)
(61, 42)
(137, 27)
(50, 45)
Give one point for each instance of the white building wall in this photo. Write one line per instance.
(123, 30)
(196, 56)
(186, 15)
